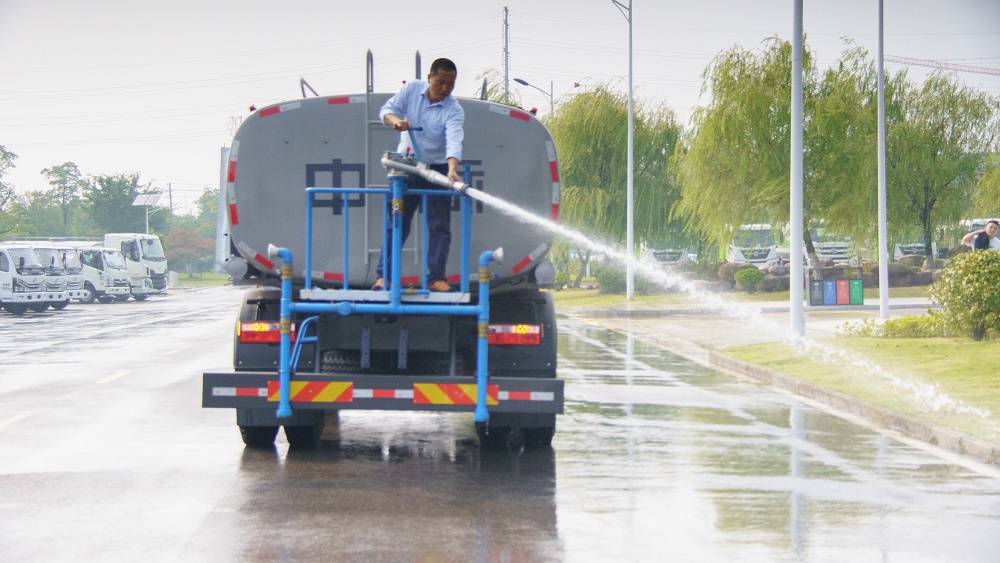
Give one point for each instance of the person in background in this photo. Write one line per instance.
(985, 238)
(429, 105)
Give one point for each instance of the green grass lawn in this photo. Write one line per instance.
(202, 279)
(594, 298)
(936, 368)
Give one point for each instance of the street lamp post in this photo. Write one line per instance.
(630, 232)
(147, 200)
(552, 107)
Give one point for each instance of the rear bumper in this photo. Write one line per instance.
(383, 392)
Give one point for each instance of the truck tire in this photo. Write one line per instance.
(16, 308)
(39, 307)
(121, 298)
(500, 438)
(140, 297)
(538, 437)
(106, 299)
(305, 437)
(259, 437)
(89, 294)
(60, 305)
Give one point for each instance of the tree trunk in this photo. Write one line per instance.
(583, 268)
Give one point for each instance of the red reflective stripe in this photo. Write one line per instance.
(233, 217)
(270, 111)
(264, 261)
(309, 392)
(247, 392)
(522, 264)
(555, 211)
(333, 276)
(519, 115)
(555, 171)
(341, 100)
(409, 279)
(383, 393)
(231, 171)
(518, 395)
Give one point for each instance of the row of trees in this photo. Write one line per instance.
(732, 166)
(77, 205)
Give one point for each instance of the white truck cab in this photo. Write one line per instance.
(753, 244)
(105, 274)
(145, 261)
(55, 279)
(22, 278)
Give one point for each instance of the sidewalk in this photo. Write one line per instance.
(701, 333)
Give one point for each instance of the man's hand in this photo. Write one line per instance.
(401, 125)
(453, 174)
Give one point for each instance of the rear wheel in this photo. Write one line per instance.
(121, 298)
(305, 437)
(38, 307)
(259, 436)
(59, 306)
(500, 438)
(140, 297)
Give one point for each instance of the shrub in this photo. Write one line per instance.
(749, 278)
(727, 271)
(969, 294)
(908, 326)
(562, 278)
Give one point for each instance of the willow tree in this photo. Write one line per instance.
(936, 153)
(735, 169)
(590, 131)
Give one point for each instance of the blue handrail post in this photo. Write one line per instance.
(466, 207)
(284, 364)
(482, 416)
(397, 183)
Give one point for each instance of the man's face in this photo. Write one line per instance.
(991, 229)
(442, 83)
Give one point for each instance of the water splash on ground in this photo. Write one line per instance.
(926, 395)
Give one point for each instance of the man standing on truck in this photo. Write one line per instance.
(428, 104)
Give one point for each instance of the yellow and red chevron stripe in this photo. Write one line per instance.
(314, 391)
(451, 394)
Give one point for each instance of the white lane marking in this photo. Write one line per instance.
(113, 376)
(12, 420)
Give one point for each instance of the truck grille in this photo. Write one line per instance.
(55, 286)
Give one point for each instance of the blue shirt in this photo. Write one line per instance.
(443, 122)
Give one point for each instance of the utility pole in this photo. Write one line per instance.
(506, 55)
(795, 297)
(629, 225)
(170, 194)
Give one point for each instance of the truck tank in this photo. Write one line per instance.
(338, 141)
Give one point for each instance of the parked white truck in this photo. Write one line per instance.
(105, 275)
(22, 278)
(144, 260)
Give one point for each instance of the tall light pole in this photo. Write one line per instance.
(797, 226)
(630, 233)
(883, 229)
(147, 200)
(552, 106)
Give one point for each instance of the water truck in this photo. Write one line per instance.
(309, 193)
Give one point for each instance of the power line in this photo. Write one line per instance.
(944, 65)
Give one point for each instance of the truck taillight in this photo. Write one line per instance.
(261, 332)
(518, 335)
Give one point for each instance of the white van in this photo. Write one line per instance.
(145, 261)
(22, 278)
(105, 275)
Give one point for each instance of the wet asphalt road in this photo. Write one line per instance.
(105, 454)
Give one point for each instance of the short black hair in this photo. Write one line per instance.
(443, 64)
(994, 221)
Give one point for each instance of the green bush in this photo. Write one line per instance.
(562, 278)
(908, 326)
(612, 280)
(969, 294)
(749, 278)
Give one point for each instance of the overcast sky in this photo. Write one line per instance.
(154, 87)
